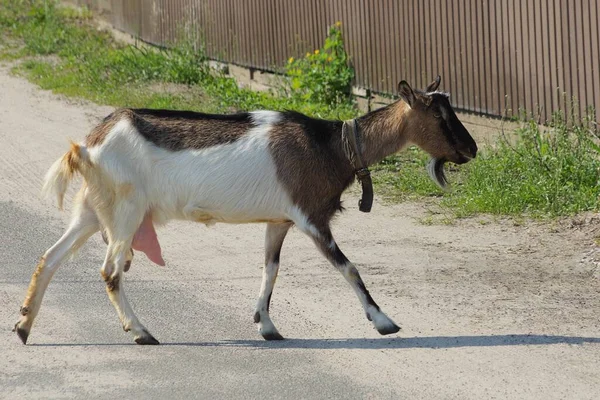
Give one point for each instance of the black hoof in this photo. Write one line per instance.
(272, 336)
(388, 330)
(21, 333)
(147, 339)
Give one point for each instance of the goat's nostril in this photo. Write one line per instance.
(474, 151)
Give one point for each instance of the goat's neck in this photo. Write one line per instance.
(384, 131)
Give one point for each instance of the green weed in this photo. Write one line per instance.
(547, 172)
(324, 75)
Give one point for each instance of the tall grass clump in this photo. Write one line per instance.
(546, 172)
(324, 75)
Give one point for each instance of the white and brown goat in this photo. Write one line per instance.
(146, 167)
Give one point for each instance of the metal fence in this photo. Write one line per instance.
(495, 57)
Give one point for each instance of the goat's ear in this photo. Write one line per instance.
(407, 94)
(434, 85)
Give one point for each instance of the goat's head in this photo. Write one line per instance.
(435, 128)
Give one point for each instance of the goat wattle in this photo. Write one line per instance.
(145, 240)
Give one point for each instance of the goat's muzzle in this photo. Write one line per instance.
(467, 153)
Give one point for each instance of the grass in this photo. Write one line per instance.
(69, 56)
(544, 173)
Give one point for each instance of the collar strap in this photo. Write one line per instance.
(351, 139)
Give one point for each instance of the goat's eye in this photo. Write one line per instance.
(437, 115)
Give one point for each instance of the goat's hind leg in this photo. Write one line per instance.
(84, 224)
(273, 241)
(129, 253)
(120, 236)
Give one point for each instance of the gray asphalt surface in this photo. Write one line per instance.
(80, 349)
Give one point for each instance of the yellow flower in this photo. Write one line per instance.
(307, 54)
(317, 51)
(338, 23)
(330, 59)
(291, 60)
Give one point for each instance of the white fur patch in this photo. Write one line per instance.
(302, 222)
(234, 182)
(267, 117)
(439, 92)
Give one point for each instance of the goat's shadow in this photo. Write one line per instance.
(419, 342)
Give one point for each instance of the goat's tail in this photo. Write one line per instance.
(63, 171)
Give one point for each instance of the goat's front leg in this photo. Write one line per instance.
(273, 242)
(325, 242)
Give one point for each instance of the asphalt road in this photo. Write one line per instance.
(478, 321)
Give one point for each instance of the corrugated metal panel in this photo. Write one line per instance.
(495, 57)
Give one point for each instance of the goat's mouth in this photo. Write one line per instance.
(466, 156)
(435, 168)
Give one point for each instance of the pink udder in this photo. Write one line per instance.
(145, 240)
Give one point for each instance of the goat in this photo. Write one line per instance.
(144, 167)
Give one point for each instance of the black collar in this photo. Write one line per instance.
(351, 142)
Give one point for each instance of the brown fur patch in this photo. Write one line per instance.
(311, 163)
(313, 169)
(72, 158)
(427, 134)
(176, 130)
(179, 130)
(205, 217)
(385, 131)
(269, 221)
(104, 275)
(112, 283)
(30, 297)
